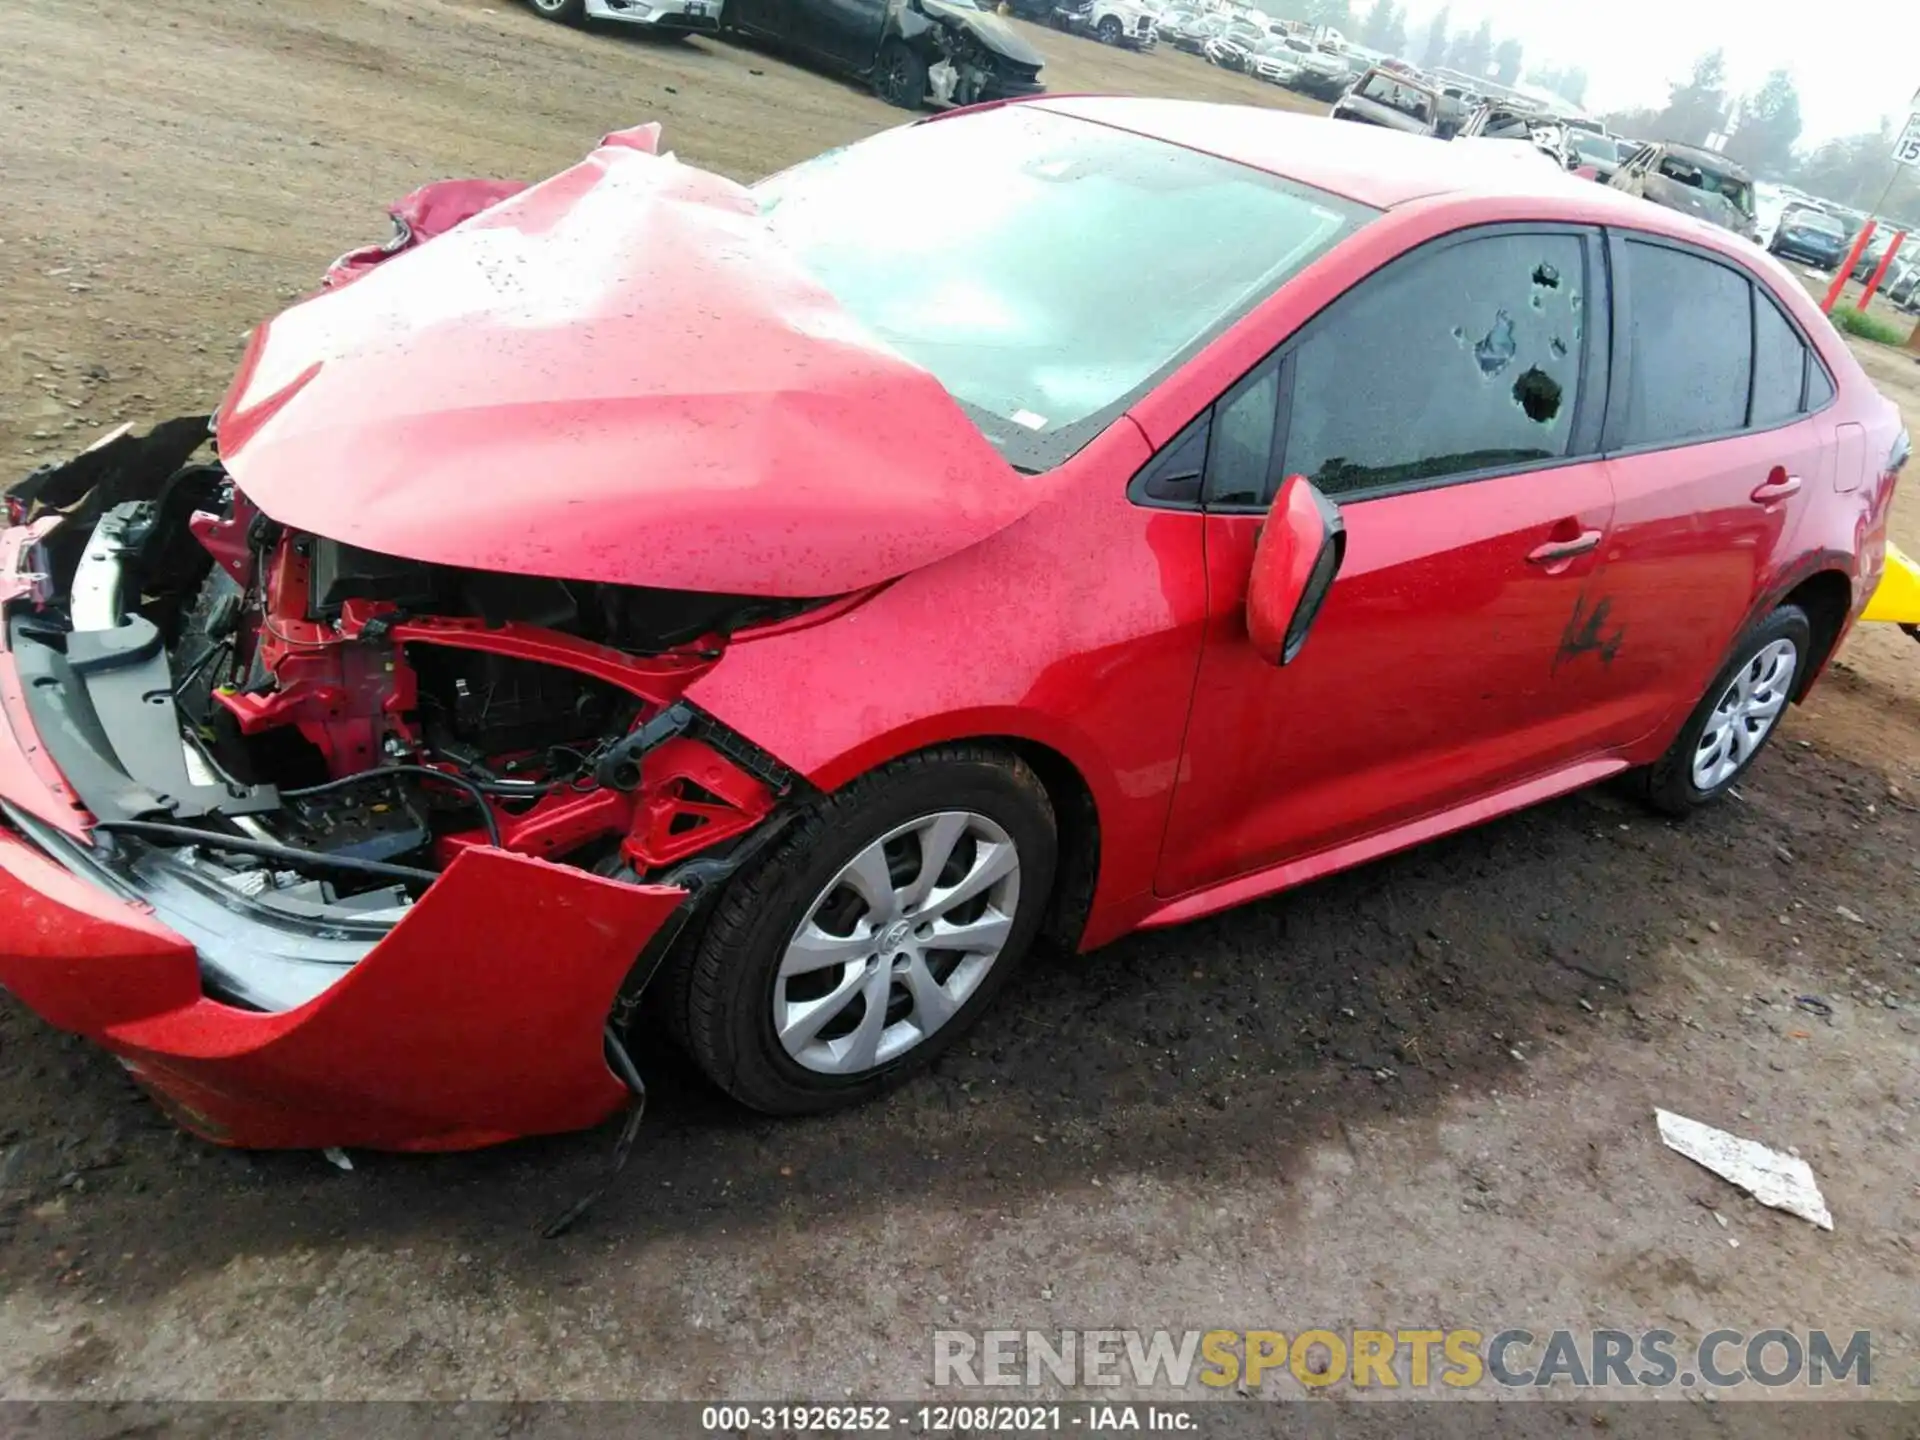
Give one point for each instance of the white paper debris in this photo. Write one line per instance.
(1784, 1182)
(338, 1157)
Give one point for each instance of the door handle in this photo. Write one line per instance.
(1554, 551)
(1777, 486)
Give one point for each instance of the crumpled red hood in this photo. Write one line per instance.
(615, 375)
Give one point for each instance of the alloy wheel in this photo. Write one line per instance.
(896, 943)
(1745, 714)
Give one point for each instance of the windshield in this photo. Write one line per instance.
(1407, 99)
(1045, 270)
(1596, 148)
(1737, 191)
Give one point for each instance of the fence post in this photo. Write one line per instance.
(1880, 272)
(1846, 267)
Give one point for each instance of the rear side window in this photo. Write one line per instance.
(1819, 387)
(1779, 365)
(1690, 335)
(1456, 359)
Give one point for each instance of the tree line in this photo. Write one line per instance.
(1473, 52)
(1762, 130)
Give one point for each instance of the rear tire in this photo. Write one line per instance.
(900, 77)
(1736, 717)
(567, 12)
(841, 924)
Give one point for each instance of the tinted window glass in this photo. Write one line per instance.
(1174, 474)
(1819, 387)
(1779, 364)
(1457, 359)
(1691, 338)
(1242, 450)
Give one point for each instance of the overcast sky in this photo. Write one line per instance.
(1866, 66)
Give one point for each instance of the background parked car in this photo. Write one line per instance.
(1602, 152)
(1397, 102)
(1698, 182)
(1876, 251)
(1233, 47)
(1117, 22)
(1804, 233)
(1275, 63)
(910, 54)
(1193, 35)
(680, 16)
(1320, 72)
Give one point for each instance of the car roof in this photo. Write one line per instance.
(1706, 159)
(1372, 164)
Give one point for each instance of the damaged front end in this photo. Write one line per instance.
(282, 760)
(971, 57)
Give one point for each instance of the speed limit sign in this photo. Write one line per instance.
(1906, 149)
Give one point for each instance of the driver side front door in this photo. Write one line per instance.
(1450, 404)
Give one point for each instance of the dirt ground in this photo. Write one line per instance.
(1421, 1093)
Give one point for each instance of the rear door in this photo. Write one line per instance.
(1715, 444)
(846, 32)
(1450, 404)
(763, 17)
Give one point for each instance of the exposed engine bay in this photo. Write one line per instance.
(320, 730)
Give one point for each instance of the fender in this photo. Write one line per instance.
(1101, 674)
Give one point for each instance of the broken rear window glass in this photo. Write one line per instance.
(1458, 359)
(1047, 271)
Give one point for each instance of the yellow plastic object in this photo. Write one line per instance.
(1897, 599)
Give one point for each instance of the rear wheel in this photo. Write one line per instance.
(1736, 717)
(873, 935)
(568, 12)
(901, 77)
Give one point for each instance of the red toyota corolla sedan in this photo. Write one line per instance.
(1056, 518)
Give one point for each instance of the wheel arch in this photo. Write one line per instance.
(1827, 597)
(1068, 767)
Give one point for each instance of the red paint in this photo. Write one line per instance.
(614, 375)
(429, 211)
(1486, 645)
(476, 1020)
(344, 699)
(1880, 272)
(1835, 290)
(225, 538)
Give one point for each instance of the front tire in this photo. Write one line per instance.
(873, 935)
(567, 12)
(1736, 717)
(900, 78)
(1109, 30)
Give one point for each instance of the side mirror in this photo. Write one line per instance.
(1295, 560)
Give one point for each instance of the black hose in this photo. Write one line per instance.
(265, 849)
(460, 782)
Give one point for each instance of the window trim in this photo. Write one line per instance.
(1584, 433)
(1617, 238)
(1590, 404)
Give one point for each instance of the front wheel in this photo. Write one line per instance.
(901, 77)
(567, 12)
(1109, 30)
(1737, 715)
(873, 935)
